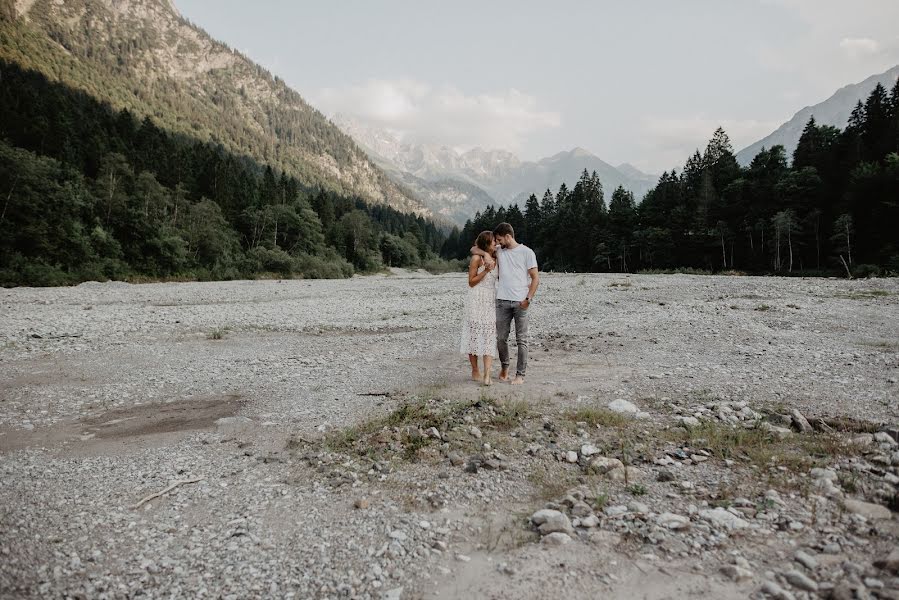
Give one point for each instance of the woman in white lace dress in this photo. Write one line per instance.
(479, 322)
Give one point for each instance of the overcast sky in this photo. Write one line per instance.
(643, 82)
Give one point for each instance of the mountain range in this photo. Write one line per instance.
(834, 111)
(141, 55)
(457, 184)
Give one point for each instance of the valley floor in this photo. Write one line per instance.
(324, 441)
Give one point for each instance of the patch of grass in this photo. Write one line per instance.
(762, 307)
(883, 345)
(218, 333)
(594, 416)
(863, 294)
(510, 414)
(636, 489)
(550, 482)
(600, 502)
(402, 430)
(621, 284)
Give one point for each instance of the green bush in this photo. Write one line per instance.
(326, 265)
(267, 260)
(865, 271)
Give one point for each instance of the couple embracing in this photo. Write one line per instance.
(502, 281)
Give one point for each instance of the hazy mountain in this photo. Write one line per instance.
(473, 179)
(143, 56)
(833, 111)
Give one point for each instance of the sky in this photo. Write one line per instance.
(643, 82)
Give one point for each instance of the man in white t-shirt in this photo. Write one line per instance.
(515, 289)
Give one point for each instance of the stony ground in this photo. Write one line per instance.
(677, 436)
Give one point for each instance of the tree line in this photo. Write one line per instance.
(834, 207)
(87, 192)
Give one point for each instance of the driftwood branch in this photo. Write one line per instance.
(848, 272)
(374, 394)
(165, 491)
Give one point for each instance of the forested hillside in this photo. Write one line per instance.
(88, 192)
(838, 201)
(141, 55)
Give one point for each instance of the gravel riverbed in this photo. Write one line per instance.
(271, 407)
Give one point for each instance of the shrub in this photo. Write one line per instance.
(325, 265)
(864, 271)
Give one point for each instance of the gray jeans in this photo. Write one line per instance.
(506, 310)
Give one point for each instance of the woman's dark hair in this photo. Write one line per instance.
(484, 239)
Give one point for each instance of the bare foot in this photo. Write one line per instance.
(518, 380)
(475, 375)
(487, 380)
(504, 375)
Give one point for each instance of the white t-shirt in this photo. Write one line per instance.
(513, 272)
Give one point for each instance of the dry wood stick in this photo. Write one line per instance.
(166, 490)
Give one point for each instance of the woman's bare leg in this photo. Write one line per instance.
(488, 364)
(475, 372)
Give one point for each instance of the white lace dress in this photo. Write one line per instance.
(479, 318)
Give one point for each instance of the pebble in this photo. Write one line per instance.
(551, 521)
(556, 538)
(806, 560)
(800, 580)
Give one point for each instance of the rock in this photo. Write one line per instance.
(874, 584)
(688, 421)
(723, 518)
(394, 594)
(819, 473)
(672, 521)
(398, 535)
(455, 458)
(625, 474)
(551, 521)
(799, 580)
(800, 423)
(889, 562)
(571, 456)
(231, 426)
(603, 464)
(581, 509)
(623, 407)
(615, 510)
(780, 432)
(433, 432)
(475, 432)
(589, 450)
(806, 560)
(775, 591)
(698, 458)
(735, 573)
(867, 509)
(637, 507)
(591, 521)
(665, 475)
(556, 539)
(361, 503)
(883, 437)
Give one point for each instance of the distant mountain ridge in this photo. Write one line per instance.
(458, 184)
(141, 55)
(834, 111)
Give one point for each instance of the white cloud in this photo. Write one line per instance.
(857, 47)
(670, 140)
(442, 114)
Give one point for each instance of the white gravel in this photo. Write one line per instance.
(109, 392)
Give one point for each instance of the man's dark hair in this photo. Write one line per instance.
(504, 229)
